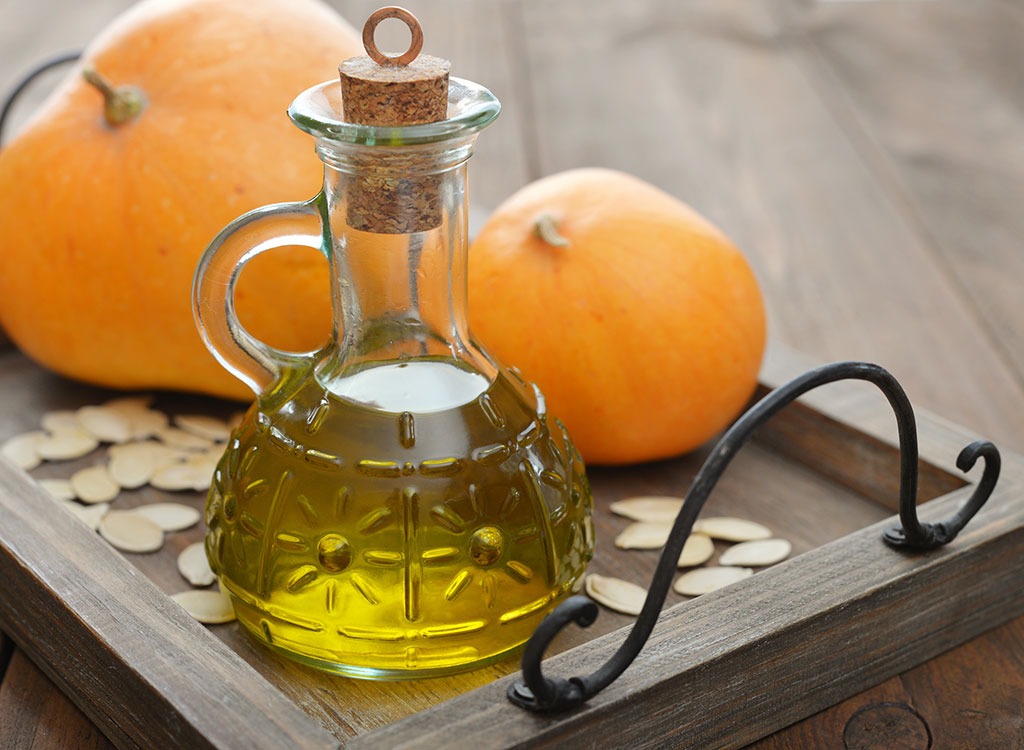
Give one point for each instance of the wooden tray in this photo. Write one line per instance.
(844, 613)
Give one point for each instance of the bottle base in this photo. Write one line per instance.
(380, 674)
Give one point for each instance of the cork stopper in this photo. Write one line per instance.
(393, 91)
(406, 89)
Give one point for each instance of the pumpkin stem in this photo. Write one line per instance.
(546, 227)
(120, 103)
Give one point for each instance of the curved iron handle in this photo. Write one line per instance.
(538, 693)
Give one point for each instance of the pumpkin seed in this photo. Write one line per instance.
(194, 567)
(731, 529)
(134, 464)
(703, 580)
(182, 476)
(90, 515)
(131, 532)
(170, 516)
(656, 509)
(210, 607)
(697, 551)
(146, 424)
(66, 444)
(23, 450)
(94, 485)
(614, 593)
(130, 404)
(644, 535)
(204, 426)
(179, 438)
(58, 488)
(59, 421)
(106, 424)
(757, 553)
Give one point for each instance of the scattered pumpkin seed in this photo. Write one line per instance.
(131, 532)
(697, 551)
(194, 567)
(204, 426)
(179, 438)
(58, 488)
(656, 509)
(90, 515)
(94, 485)
(703, 580)
(731, 529)
(757, 553)
(146, 424)
(644, 535)
(170, 516)
(23, 450)
(210, 607)
(130, 404)
(183, 476)
(108, 425)
(134, 464)
(66, 444)
(614, 593)
(59, 421)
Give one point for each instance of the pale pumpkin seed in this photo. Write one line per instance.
(703, 580)
(179, 438)
(61, 420)
(146, 424)
(655, 508)
(170, 516)
(757, 553)
(194, 567)
(697, 551)
(182, 476)
(94, 485)
(90, 515)
(131, 532)
(58, 488)
(204, 426)
(644, 535)
(66, 444)
(130, 404)
(134, 464)
(614, 593)
(23, 450)
(731, 529)
(106, 424)
(210, 607)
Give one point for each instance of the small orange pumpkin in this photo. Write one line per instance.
(641, 322)
(104, 217)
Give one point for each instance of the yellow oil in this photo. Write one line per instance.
(413, 520)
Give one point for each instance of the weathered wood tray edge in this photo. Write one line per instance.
(744, 661)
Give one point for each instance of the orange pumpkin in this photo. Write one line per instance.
(103, 222)
(641, 322)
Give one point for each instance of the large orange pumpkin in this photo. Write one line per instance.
(641, 322)
(103, 223)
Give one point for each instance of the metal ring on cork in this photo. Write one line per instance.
(370, 28)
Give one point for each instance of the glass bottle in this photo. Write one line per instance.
(397, 503)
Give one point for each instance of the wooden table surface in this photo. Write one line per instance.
(867, 156)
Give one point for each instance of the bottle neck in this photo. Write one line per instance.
(398, 256)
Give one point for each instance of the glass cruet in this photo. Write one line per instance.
(397, 503)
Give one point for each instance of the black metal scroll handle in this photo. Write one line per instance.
(541, 694)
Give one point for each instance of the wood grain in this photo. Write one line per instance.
(905, 83)
(37, 715)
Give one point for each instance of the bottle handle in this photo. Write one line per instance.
(252, 361)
